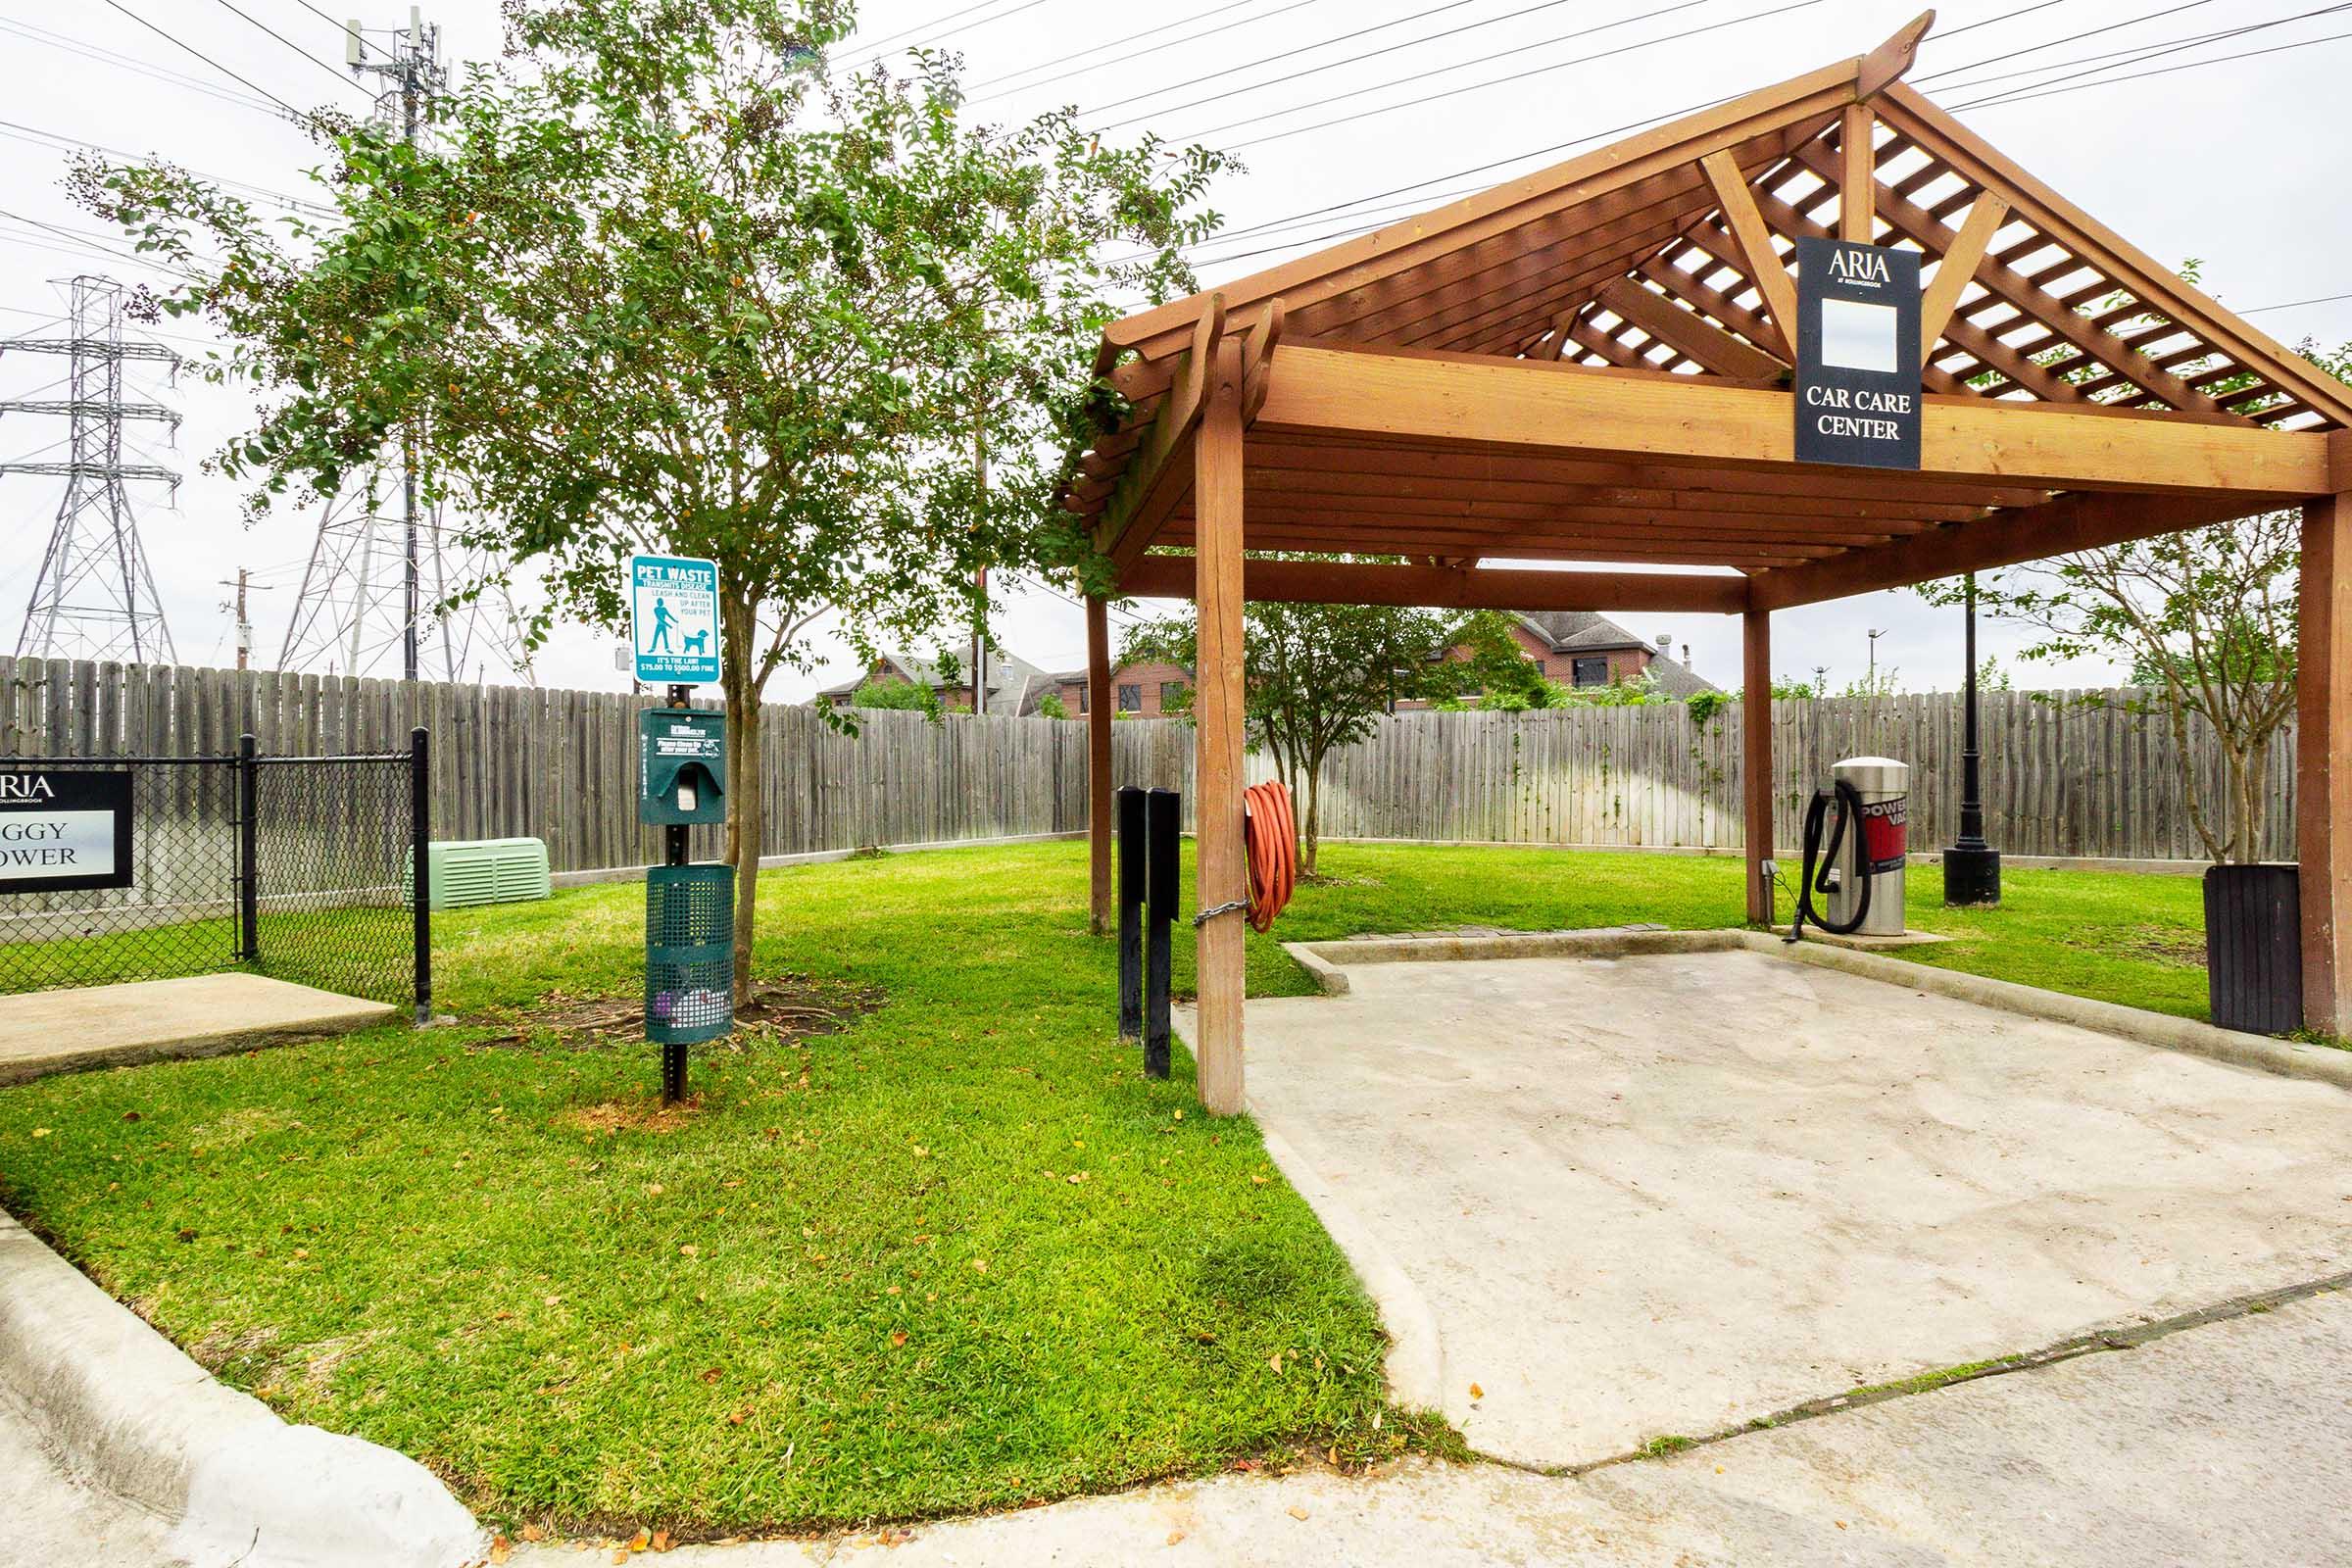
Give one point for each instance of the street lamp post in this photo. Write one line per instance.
(1972, 868)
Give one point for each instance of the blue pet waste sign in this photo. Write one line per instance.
(1857, 354)
(674, 619)
(63, 828)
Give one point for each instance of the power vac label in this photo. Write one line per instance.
(1885, 833)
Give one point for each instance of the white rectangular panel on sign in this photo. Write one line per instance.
(1859, 337)
(47, 844)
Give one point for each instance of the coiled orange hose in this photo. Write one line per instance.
(1271, 832)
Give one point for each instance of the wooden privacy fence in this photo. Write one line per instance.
(2064, 776)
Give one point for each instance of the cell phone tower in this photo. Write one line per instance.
(95, 597)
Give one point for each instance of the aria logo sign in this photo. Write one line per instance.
(1857, 355)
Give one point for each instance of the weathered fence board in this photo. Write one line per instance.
(2067, 774)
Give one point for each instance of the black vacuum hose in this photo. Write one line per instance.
(1849, 819)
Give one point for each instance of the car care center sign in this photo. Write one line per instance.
(63, 829)
(674, 619)
(1857, 354)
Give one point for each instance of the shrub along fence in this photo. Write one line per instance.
(2064, 776)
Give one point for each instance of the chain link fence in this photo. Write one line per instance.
(297, 867)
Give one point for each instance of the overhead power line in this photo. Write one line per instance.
(1473, 86)
(59, 141)
(334, 72)
(2047, 91)
(1372, 54)
(134, 65)
(181, 43)
(1108, 43)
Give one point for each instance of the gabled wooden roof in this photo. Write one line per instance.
(1668, 255)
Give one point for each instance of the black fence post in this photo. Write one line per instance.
(1160, 812)
(673, 852)
(249, 851)
(420, 884)
(1131, 911)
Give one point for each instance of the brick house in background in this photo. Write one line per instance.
(1145, 689)
(1015, 686)
(1580, 648)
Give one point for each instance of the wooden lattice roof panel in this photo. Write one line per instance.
(1670, 255)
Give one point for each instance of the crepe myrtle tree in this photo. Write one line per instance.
(662, 279)
(1318, 677)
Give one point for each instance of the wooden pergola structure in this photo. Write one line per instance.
(1593, 363)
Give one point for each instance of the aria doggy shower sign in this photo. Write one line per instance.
(1857, 354)
(63, 828)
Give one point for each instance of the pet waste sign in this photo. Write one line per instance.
(1857, 354)
(62, 829)
(674, 619)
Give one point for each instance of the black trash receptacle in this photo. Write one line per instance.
(2254, 947)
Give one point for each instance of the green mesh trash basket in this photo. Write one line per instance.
(689, 953)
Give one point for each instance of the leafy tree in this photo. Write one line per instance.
(1050, 705)
(1320, 676)
(663, 279)
(890, 692)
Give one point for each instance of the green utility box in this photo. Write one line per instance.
(481, 871)
(681, 767)
(689, 953)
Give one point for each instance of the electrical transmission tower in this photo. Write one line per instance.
(364, 602)
(95, 597)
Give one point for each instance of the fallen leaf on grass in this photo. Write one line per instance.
(534, 1533)
(712, 1374)
(688, 1250)
(897, 1339)
(501, 1548)
(979, 1266)
(41, 1132)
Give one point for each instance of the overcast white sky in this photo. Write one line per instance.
(2241, 163)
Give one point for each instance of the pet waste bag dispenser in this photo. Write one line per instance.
(681, 767)
(1857, 839)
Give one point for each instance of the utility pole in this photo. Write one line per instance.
(1871, 680)
(242, 583)
(95, 596)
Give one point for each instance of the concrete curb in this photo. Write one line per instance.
(2287, 1058)
(1415, 1365)
(124, 1407)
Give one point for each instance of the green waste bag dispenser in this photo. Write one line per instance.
(682, 766)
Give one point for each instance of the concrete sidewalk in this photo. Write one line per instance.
(2226, 1446)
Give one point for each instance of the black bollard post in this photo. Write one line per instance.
(1131, 911)
(1160, 828)
(673, 852)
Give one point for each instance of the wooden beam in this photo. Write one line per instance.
(2080, 522)
(1760, 260)
(1134, 509)
(1959, 264)
(1569, 409)
(1223, 874)
(1885, 65)
(1355, 264)
(2102, 249)
(2323, 780)
(1755, 754)
(1364, 582)
(1857, 176)
(1097, 763)
(1711, 345)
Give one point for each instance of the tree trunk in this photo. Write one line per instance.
(1313, 825)
(747, 824)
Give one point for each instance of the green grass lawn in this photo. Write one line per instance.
(957, 1255)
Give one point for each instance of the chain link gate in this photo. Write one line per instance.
(305, 868)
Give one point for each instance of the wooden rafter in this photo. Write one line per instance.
(1759, 260)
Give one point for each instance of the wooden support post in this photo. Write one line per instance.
(1755, 771)
(1097, 761)
(1858, 172)
(1222, 877)
(2324, 791)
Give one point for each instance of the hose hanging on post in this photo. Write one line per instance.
(1849, 818)
(1271, 832)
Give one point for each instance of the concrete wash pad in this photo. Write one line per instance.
(1667, 1194)
(43, 1032)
